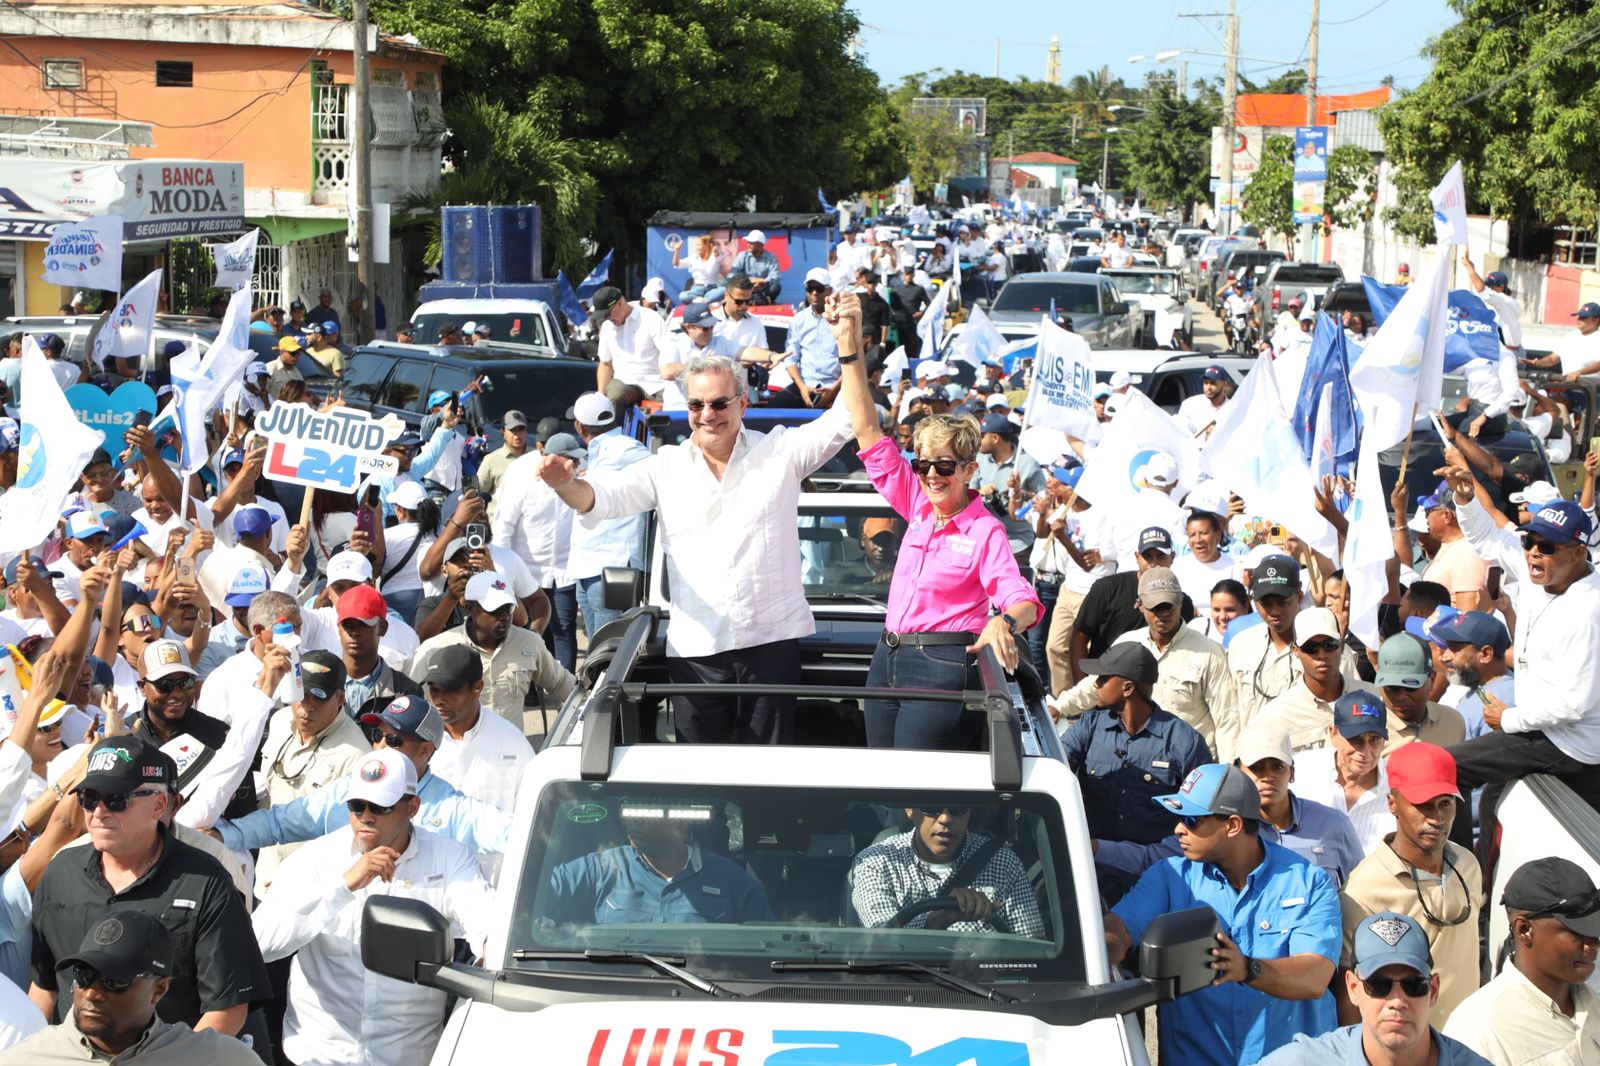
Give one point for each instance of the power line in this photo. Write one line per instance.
(1357, 18)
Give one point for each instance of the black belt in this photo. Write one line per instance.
(1041, 577)
(925, 640)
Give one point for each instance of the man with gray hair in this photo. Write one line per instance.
(726, 505)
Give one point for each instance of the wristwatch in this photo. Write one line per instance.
(1252, 969)
(846, 360)
(1011, 623)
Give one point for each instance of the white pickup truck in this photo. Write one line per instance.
(769, 962)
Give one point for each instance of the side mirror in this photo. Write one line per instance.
(1183, 296)
(621, 588)
(405, 939)
(1176, 948)
(1118, 308)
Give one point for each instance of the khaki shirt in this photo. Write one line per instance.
(509, 672)
(1262, 671)
(1383, 882)
(1194, 683)
(490, 471)
(295, 768)
(1302, 715)
(163, 1044)
(1440, 725)
(1509, 1021)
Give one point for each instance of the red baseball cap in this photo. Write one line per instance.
(363, 602)
(1420, 772)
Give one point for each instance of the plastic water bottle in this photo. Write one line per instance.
(291, 689)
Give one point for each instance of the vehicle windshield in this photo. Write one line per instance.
(1315, 275)
(520, 327)
(825, 874)
(847, 552)
(1036, 296)
(1147, 284)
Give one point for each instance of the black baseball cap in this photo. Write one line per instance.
(121, 764)
(1155, 538)
(604, 299)
(1558, 888)
(126, 944)
(1276, 575)
(1129, 659)
(454, 667)
(322, 673)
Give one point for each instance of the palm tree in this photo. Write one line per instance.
(1090, 96)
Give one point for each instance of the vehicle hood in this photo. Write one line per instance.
(1026, 323)
(639, 1032)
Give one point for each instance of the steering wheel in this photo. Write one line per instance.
(942, 903)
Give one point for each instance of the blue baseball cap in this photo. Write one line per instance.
(410, 716)
(1441, 496)
(10, 435)
(232, 457)
(1475, 628)
(330, 326)
(1359, 711)
(1496, 277)
(999, 424)
(38, 564)
(1067, 475)
(86, 524)
(1428, 628)
(1390, 939)
(1214, 373)
(1215, 788)
(1154, 538)
(1588, 310)
(1561, 521)
(253, 521)
(698, 314)
(437, 397)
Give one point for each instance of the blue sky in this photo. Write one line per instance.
(1361, 40)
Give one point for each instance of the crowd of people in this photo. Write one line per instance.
(237, 725)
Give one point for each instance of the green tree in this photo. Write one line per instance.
(1512, 93)
(1352, 184)
(932, 146)
(1167, 149)
(1269, 195)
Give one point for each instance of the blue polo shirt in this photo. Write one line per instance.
(616, 885)
(1502, 688)
(1287, 907)
(1121, 775)
(1342, 1047)
(1320, 834)
(816, 353)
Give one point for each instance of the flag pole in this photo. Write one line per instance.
(1405, 456)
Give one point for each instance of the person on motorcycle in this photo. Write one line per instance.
(1236, 313)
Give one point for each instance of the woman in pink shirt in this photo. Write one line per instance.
(954, 564)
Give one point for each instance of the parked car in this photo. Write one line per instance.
(1097, 310)
(1155, 289)
(1347, 296)
(1239, 263)
(1169, 378)
(1202, 258)
(1284, 280)
(523, 322)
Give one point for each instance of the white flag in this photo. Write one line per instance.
(223, 364)
(1368, 545)
(1062, 394)
(1401, 372)
(52, 448)
(1139, 430)
(1254, 452)
(126, 333)
(978, 339)
(236, 261)
(1450, 208)
(86, 255)
(930, 327)
(893, 367)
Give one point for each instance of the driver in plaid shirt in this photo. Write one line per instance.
(892, 874)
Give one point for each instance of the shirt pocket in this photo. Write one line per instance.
(178, 918)
(624, 905)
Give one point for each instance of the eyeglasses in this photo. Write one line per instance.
(935, 812)
(1416, 986)
(144, 623)
(51, 728)
(116, 802)
(1540, 546)
(84, 976)
(168, 685)
(1320, 647)
(812, 286)
(1580, 906)
(362, 807)
(721, 403)
(944, 467)
(735, 301)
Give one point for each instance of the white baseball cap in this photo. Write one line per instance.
(1161, 470)
(489, 591)
(408, 494)
(383, 776)
(997, 400)
(1209, 496)
(249, 581)
(1536, 495)
(1121, 379)
(1315, 622)
(349, 566)
(755, 236)
(594, 409)
(655, 287)
(469, 327)
(817, 274)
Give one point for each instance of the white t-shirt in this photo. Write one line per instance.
(1577, 350)
(1117, 256)
(634, 349)
(1196, 413)
(998, 261)
(1090, 531)
(1198, 578)
(703, 271)
(397, 540)
(65, 373)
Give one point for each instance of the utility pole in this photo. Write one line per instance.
(997, 57)
(357, 125)
(1308, 232)
(1230, 86)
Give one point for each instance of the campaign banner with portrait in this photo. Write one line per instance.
(796, 249)
(1310, 172)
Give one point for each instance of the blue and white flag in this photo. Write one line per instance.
(1470, 330)
(86, 255)
(930, 327)
(1139, 430)
(570, 306)
(978, 340)
(236, 260)
(827, 208)
(1062, 394)
(222, 366)
(1327, 380)
(598, 277)
(52, 448)
(1401, 372)
(126, 333)
(1450, 208)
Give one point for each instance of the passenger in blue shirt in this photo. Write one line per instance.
(1394, 987)
(658, 876)
(813, 356)
(1281, 913)
(1475, 646)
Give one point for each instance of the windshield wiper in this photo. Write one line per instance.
(846, 597)
(671, 965)
(934, 973)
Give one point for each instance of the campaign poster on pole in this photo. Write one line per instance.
(337, 449)
(1310, 172)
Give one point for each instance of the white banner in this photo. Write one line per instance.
(1062, 394)
(335, 449)
(930, 327)
(86, 255)
(1450, 208)
(126, 333)
(52, 448)
(157, 198)
(236, 261)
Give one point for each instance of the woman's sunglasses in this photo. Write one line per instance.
(1415, 986)
(944, 467)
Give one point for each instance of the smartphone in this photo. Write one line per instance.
(1277, 535)
(1492, 586)
(1594, 444)
(366, 521)
(186, 569)
(143, 418)
(1483, 694)
(477, 536)
(372, 496)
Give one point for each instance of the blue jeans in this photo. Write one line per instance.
(923, 724)
(564, 625)
(706, 294)
(595, 613)
(404, 604)
(1039, 635)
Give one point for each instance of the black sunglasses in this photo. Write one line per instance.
(169, 685)
(1540, 546)
(721, 403)
(812, 286)
(394, 740)
(362, 807)
(738, 302)
(944, 467)
(116, 802)
(1192, 821)
(1415, 986)
(84, 976)
(1580, 906)
(954, 812)
(1320, 647)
